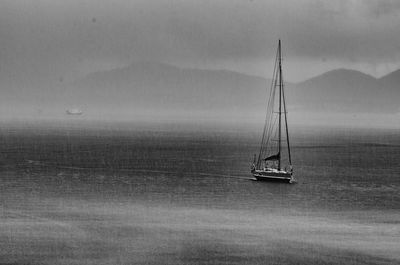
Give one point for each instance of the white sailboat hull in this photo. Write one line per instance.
(273, 175)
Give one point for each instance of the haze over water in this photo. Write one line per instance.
(171, 97)
(151, 193)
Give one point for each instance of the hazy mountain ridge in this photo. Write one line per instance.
(160, 89)
(391, 81)
(163, 86)
(348, 90)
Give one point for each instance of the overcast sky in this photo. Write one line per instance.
(63, 40)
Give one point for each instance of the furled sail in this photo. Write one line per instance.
(273, 157)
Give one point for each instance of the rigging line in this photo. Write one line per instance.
(271, 103)
(286, 124)
(270, 109)
(268, 130)
(268, 148)
(269, 124)
(265, 126)
(272, 91)
(271, 133)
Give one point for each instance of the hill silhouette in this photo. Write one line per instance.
(345, 90)
(164, 87)
(160, 89)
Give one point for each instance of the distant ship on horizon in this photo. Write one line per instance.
(74, 111)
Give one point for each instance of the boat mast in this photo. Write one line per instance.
(281, 87)
(280, 103)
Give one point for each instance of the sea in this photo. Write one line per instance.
(80, 192)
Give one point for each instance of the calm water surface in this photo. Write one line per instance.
(179, 194)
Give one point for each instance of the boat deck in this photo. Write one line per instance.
(271, 174)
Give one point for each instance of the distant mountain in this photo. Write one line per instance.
(157, 86)
(340, 90)
(392, 78)
(162, 87)
(391, 83)
(345, 90)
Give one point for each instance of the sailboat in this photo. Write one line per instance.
(274, 161)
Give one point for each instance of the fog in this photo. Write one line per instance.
(48, 46)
